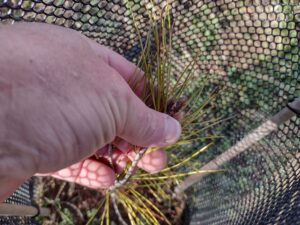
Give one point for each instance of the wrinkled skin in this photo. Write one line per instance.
(63, 97)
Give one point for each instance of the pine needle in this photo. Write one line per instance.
(175, 175)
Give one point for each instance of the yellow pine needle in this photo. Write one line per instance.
(163, 195)
(180, 142)
(163, 68)
(198, 132)
(208, 99)
(146, 207)
(210, 137)
(194, 166)
(201, 123)
(188, 158)
(190, 117)
(91, 219)
(133, 205)
(107, 208)
(201, 150)
(186, 75)
(178, 81)
(193, 100)
(189, 132)
(178, 91)
(180, 87)
(154, 193)
(151, 205)
(158, 191)
(175, 175)
(143, 61)
(177, 181)
(103, 214)
(131, 219)
(151, 149)
(192, 134)
(147, 185)
(214, 120)
(127, 207)
(169, 66)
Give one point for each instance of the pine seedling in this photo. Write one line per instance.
(140, 197)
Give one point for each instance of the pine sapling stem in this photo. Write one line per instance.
(130, 171)
(120, 183)
(115, 205)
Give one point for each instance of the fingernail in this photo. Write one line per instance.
(172, 130)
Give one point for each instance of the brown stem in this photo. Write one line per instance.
(120, 183)
(114, 202)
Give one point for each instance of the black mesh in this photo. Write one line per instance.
(22, 196)
(260, 186)
(250, 48)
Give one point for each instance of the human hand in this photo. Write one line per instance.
(62, 98)
(95, 173)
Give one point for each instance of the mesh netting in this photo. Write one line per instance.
(21, 197)
(260, 186)
(251, 49)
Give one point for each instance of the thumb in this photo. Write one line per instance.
(146, 127)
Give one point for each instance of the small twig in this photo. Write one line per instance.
(129, 173)
(59, 192)
(120, 183)
(114, 202)
(110, 156)
(75, 210)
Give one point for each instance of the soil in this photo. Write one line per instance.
(58, 195)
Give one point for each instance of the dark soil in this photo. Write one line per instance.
(79, 201)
